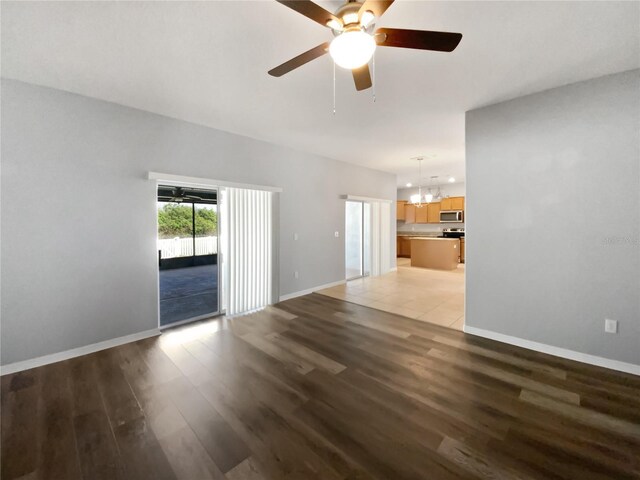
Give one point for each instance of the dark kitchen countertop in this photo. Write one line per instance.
(433, 238)
(418, 234)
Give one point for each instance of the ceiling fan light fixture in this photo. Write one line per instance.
(367, 18)
(334, 24)
(352, 49)
(349, 18)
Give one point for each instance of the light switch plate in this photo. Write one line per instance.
(610, 326)
(336, 234)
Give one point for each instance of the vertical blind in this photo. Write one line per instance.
(375, 239)
(385, 237)
(380, 235)
(250, 249)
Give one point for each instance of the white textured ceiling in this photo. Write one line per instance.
(207, 62)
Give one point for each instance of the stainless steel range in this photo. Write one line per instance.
(453, 233)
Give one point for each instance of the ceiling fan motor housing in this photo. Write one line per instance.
(348, 13)
(350, 19)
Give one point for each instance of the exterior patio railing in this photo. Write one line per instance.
(183, 247)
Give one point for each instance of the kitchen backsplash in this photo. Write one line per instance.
(425, 227)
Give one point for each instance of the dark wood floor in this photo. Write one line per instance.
(319, 389)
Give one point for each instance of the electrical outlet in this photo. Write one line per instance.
(295, 274)
(610, 326)
(337, 234)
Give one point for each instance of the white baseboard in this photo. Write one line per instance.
(75, 352)
(289, 296)
(555, 351)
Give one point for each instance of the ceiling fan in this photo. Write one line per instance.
(178, 194)
(356, 38)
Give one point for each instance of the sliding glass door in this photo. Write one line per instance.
(357, 239)
(187, 254)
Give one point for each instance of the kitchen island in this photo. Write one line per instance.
(438, 253)
(403, 248)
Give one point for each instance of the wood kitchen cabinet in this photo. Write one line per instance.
(457, 203)
(433, 212)
(462, 250)
(400, 209)
(452, 203)
(409, 213)
(428, 212)
(438, 253)
(404, 247)
(422, 214)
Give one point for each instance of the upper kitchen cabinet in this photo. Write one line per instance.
(409, 213)
(452, 203)
(413, 214)
(400, 209)
(433, 213)
(427, 213)
(422, 214)
(457, 203)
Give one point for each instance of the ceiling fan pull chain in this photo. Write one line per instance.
(373, 67)
(334, 87)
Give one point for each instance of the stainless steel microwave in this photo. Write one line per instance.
(451, 216)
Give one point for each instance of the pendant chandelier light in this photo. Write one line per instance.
(419, 200)
(430, 197)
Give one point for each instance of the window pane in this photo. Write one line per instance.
(175, 229)
(206, 229)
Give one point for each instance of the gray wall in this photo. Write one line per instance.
(553, 217)
(78, 215)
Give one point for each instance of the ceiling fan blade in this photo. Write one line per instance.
(378, 7)
(419, 39)
(300, 60)
(362, 77)
(310, 10)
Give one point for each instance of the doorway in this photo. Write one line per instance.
(188, 246)
(357, 239)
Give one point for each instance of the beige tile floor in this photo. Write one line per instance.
(432, 296)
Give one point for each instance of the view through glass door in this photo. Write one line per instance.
(187, 254)
(357, 239)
